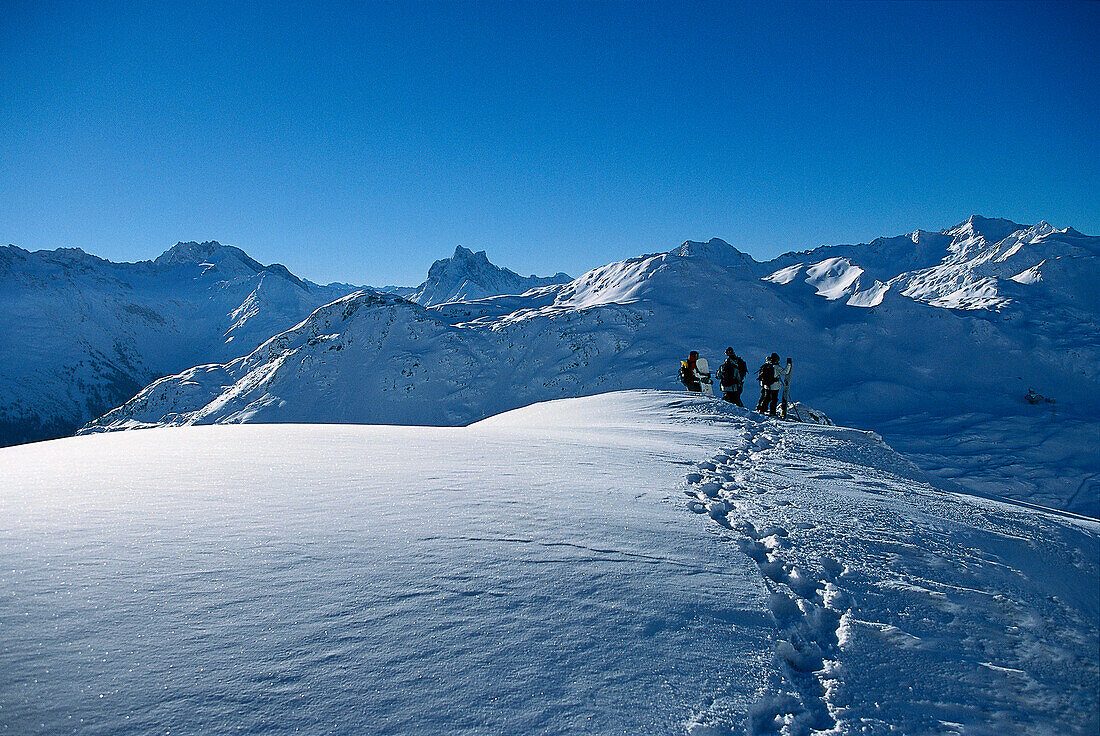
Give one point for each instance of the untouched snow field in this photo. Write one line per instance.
(641, 563)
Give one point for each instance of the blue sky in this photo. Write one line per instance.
(361, 141)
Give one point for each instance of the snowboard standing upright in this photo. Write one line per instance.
(702, 367)
(786, 387)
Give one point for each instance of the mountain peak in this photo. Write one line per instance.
(226, 261)
(993, 230)
(468, 257)
(715, 249)
(470, 275)
(463, 262)
(696, 247)
(210, 251)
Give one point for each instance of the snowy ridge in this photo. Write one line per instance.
(678, 277)
(633, 562)
(626, 325)
(848, 613)
(378, 358)
(964, 267)
(337, 366)
(969, 278)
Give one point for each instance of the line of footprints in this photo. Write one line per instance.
(807, 608)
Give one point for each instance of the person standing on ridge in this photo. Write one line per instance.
(771, 381)
(689, 374)
(731, 377)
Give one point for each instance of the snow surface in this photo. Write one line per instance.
(636, 562)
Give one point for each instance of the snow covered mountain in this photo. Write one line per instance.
(978, 264)
(926, 376)
(642, 562)
(467, 275)
(86, 334)
(82, 335)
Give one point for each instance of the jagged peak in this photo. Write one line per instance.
(466, 261)
(462, 252)
(463, 260)
(465, 254)
(470, 275)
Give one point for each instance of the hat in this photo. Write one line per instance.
(774, 358)
(729, 351)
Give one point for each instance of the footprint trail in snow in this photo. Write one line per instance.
(883, 588)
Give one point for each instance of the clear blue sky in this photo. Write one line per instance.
(361, 141)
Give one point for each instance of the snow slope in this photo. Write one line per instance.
(641, 562)
(81, 334)
(867, 355)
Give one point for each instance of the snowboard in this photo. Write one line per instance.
(787, 388)
(702, 367)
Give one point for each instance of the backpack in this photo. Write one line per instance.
(766, 374)
(686, 376)
(729, 376)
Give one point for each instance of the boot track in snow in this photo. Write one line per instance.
(899, 607)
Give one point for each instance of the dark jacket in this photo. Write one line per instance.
(731, 374)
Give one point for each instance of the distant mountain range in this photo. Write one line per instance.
(82, 334)
(929, 338)
(979, 264)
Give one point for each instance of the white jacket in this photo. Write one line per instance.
(781, 374)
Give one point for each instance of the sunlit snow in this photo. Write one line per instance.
(635, 562)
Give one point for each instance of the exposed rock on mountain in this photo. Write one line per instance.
(467, 275)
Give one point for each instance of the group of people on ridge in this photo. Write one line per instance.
(731, 378)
